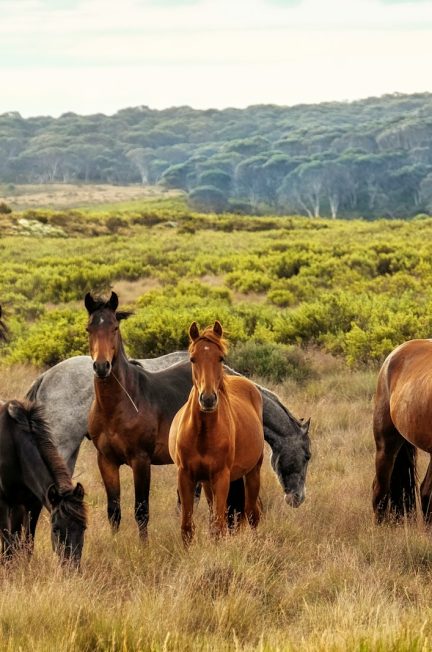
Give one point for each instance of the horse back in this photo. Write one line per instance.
(404, 393)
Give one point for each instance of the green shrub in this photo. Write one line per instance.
(271, 361)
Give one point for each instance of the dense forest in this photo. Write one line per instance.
(368, 158)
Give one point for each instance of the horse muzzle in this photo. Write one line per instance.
(102, 369)
(295, 498)
(208, 402)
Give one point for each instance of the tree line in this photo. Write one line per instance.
(366, 158)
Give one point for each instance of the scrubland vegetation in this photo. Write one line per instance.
(312, 306)
(371, 157)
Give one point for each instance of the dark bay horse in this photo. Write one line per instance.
(132, 410)
(217, 437)
(402, 422)
(32, 474)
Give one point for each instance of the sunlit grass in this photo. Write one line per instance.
(322, 577)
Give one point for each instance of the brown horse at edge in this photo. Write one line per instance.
(217, 436)
(402, 422)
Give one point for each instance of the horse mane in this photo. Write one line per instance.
(72, 506)
(209, 335)
(30, 416)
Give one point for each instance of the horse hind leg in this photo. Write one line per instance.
(394, 486)
(426, 494)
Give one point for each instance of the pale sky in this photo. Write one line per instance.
(92, 56)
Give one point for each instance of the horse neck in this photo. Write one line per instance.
(36, 474)
(110, 391)
(206, 422)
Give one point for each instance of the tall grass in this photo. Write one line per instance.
(322, 577)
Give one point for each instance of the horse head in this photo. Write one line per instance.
(290, 458)
(103, 329)
(68, 522)
(207, 351)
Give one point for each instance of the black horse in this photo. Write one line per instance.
(33, 474)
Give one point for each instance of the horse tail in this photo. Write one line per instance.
(34, 388)
(236, 502)
(403, 482)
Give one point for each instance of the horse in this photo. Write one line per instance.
(217, 437)
(131, 412)
(66, 392)
(33, 474)
(402, 423)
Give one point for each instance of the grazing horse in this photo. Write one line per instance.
(402, 422)
(32, 474)
(217, 437)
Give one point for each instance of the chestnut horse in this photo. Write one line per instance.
(217, 436)
(402, 423)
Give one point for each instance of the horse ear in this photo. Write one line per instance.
(79, 492)
(217, 328)
(305, 425)
(193, 331)
(53, 495)
(113, 302)
(89, 303)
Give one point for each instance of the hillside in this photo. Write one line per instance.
(367, 158)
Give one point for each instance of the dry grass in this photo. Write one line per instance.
(63, 195)
(319, 578)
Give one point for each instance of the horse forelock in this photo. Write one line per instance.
(73, 507)
(209, 335)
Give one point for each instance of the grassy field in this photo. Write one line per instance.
(322, 577)
(291, 291)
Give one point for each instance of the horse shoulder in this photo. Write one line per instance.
(245, 392)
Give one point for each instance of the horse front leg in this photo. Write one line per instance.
(5, 532)
(33, 511)
(111, 479)
(186, 487)
(141, 467)
(252, 482)
(220, 488)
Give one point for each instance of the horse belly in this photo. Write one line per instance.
(411, 414)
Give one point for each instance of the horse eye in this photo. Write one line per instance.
(192, 360)
(221, 359)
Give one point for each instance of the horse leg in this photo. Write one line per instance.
(33, 511)
(5, 532)
(387, 449)
(426, 494)
(252, 482)
(186, 487)
(220, 487)
(141, 468)
(111, 479)
(197, 496)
